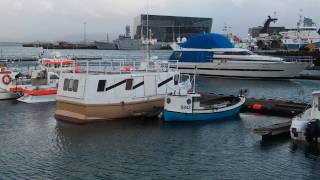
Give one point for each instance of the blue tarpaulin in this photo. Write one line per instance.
(192, 56)
(208, 41)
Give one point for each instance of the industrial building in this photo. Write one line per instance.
(168, 28)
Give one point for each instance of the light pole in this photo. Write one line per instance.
(85, 32)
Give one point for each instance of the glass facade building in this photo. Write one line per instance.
(168, 28)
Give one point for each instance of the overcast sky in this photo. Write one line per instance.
(30, 20)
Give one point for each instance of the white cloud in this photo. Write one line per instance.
(50, 19)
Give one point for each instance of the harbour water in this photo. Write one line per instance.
(35, 146)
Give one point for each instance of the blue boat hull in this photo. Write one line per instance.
(297, 46)
(176, 116)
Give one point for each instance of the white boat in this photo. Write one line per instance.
(306, 127)
(109, 90)
(213, 55)
(11, 83)
(43, 88)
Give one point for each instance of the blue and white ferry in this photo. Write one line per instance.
(214, 55)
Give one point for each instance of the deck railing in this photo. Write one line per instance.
(119, 66)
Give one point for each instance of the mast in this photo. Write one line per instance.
(173, 35)
(148, 41)
(85, 32)
(300, 23)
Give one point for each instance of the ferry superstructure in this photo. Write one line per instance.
(109, 90)
(213, 55)
(305, 33)
(300, 37)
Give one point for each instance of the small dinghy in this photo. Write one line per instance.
(189, 107)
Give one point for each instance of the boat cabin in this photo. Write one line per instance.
(57, 64)
(315, 113)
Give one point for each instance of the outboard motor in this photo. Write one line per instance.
(243, 92)
(312, 131)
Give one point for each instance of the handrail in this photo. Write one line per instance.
(124, 66)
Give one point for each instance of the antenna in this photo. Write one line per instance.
(300, 23)
(173, 35)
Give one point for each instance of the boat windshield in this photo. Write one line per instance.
(238, 53)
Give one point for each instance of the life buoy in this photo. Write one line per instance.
(77, 69)
(6, 79)
(127, 68)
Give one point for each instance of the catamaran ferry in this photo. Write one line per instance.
(109, 90)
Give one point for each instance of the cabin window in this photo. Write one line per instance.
(66, 84)
(184, 78)
(101, 85)
(129, 84)
(70, 85)
(75, 85)
(196, 99)
(53, 76)
(176, 79)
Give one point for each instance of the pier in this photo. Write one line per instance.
(274, 130)
(272, 107)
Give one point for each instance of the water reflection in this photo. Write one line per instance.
(311, 151)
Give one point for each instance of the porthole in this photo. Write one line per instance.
(168, 100)
(189, 101)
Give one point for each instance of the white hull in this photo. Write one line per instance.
(7, 95)
(244, 69)
(306, 127)
(38, 99)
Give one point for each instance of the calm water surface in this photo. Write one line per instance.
(33, 145)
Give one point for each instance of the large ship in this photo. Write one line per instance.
(105, 45)
(305, 33)
(125, 42)
(102, 45)
(109, 90)
(214, 55)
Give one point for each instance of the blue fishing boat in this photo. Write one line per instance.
(188, 107)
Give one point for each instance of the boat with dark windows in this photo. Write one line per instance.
(214, 55)
(109, 90)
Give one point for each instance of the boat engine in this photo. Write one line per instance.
(312, 131)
